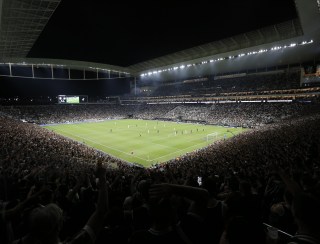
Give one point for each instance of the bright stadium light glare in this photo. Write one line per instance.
(232, 57)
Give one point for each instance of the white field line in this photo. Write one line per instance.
(163, 146)
(131, 154)
(103, 145)
(176, 151)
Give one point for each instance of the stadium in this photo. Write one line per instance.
(211, 142)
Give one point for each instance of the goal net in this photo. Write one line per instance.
(212, 137)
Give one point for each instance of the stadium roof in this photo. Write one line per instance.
(285, 30)
(22, 21)
(25, 32)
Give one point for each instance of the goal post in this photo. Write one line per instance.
(212, 136)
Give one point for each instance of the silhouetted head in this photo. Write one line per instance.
(45, 223)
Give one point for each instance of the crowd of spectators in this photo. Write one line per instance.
(55, 190)
(240, 114)
(51, 114)
(253, 82)
(231, 114)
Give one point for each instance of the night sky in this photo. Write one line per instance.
(127, 32)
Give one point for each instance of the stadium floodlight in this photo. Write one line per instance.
(233, 57)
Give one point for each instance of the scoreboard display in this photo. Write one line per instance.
(72, 99)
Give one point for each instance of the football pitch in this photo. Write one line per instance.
(144, 142)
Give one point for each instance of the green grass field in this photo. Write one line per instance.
(144, 141)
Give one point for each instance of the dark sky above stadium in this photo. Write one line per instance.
(127, 32)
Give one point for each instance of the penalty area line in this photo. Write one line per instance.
(129, 154)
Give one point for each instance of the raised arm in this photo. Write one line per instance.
(31, 197)
(292, 186)
(95, 222)
(196, 194)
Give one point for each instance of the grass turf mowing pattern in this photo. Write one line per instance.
(143, 141)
